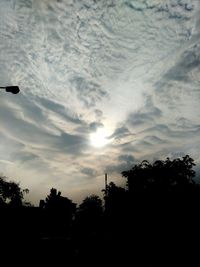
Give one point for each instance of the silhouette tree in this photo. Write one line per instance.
(162, 176)
(115, 198)
(87, 226)
(54, 201)
(89, 216)
(10, 193)
(60, 212)
(90, 210)
(164, 202)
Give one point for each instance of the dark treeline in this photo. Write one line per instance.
(153, 221)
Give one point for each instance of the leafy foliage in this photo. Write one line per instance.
(91, 207)
(114, 197)
(10, 193)
(54, 201)
(161, 176)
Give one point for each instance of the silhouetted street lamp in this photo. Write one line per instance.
(12, 89)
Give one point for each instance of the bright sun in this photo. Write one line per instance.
(99, 138)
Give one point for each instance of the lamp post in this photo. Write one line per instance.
(12, 89)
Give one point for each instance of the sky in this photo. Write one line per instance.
(104, 85)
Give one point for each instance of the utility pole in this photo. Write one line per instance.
(106, 193)
(11, 89)
(106, 184)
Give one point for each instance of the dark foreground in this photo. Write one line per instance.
(152, 231)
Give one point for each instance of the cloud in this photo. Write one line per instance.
(60, 110)
(120, 132)
(95, 125)
(88, 92)
(187, 65)
(98, 113)
(25, 157)
(91, 173)
(126, 158)
(136, 5)
(146, 115)
(124, 162)
(74, 144)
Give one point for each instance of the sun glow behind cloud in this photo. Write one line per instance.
(99, 138)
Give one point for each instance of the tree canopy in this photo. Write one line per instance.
(10, 193)
(91, 207)
(54, 201)
(162, 176)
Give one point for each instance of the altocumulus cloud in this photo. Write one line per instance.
(131, 66)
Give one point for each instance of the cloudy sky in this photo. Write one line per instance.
(104, 84)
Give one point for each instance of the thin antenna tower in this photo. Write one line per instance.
(106, 184)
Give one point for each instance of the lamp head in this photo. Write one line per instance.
(12, 89)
